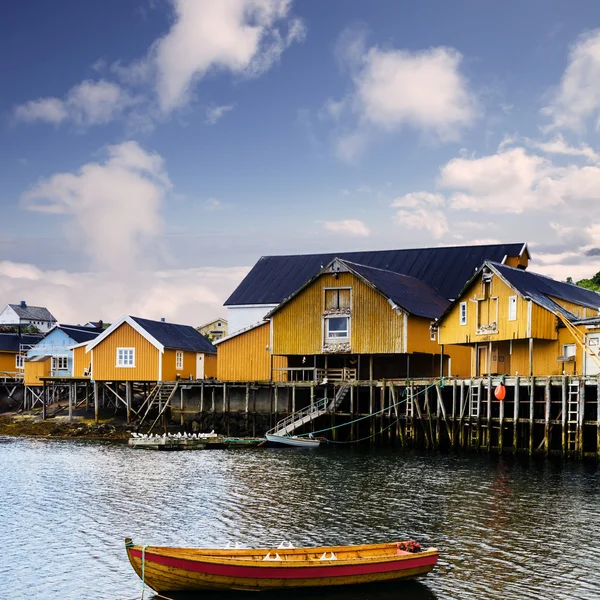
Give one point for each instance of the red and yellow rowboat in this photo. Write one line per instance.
(168, 569)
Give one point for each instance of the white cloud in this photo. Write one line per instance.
(190, 296)
(352, 227)
(213, 204)
(392, 89)
(50, 110)
(422, 210)
(88, 103)
(559, 146)
(240, 36)
(114, 205)
(577, 98)
(214, 113)
(510, 181)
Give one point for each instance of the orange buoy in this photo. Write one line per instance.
(500, 391)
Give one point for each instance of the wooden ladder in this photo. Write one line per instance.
(474, 406)
(410, 412)
(572, 416)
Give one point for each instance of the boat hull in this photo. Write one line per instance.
(296, 442)
(170, 570)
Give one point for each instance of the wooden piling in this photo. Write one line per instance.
(531, 413)
(516, 417)
(70, 402)
(128, 394)
(96, 401)
(564, 387)
(547, 417)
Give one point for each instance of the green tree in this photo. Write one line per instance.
(591, 284)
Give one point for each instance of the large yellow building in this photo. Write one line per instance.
(352, 321)
(136, 349)
(518, 322)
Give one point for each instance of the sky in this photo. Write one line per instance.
(151, 151)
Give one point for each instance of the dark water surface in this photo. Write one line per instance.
(505, 529)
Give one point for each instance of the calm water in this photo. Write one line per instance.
(505, 529)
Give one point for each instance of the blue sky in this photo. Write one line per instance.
(152, 150)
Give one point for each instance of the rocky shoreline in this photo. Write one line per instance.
(28, 425)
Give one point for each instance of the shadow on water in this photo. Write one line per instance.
(407, 590)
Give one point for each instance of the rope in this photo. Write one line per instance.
(369, 415)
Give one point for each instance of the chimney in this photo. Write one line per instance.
(162, 319)
(23, 304)
(100, 324)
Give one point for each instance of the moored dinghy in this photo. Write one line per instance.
(167, 569)
(293, 440)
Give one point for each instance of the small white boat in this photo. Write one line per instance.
(298, 442)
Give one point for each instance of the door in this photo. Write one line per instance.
(593, 346)
(482, 361)
(199, 366)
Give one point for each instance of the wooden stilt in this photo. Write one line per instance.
(96, 401)
(70, 402)
(531, 412)
(563, 409)
(547, 418)
(516, 417)
(128, 395)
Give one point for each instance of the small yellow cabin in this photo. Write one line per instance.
(519, 322)
(13, 348)
(136, 349)
(37, 367)
(245, 356)
(353, 321)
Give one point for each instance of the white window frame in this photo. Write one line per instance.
(60, 363)
(462, 314)
(125, 358)
(179, 360)
(569, 350)
(337, 338)
(512, 308)
(20, 361)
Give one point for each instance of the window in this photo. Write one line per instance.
(337, 327)
(179, 360)
(463, 313)
(512, 308)
(219, 324)
(125, 357)
(337, 299)
(60, 363)
(20, 361)
(432, 334)
(568, 350)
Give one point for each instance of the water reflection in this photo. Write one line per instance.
(505, 527)
(407, 590)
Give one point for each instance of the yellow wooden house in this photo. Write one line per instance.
(136, 349)
(13, 349)
(353, 321)
(246, 356)
(520, 322)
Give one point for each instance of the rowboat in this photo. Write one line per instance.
(292, 440)
(167, 569)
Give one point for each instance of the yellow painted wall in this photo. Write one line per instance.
(516, 261)
(579, 311)
(452, 332)
(37, 369)
(8, 362)
(81, 361)
(210, 366)
(169, 371)
(104, 357)
(246, 357)
(375, 327)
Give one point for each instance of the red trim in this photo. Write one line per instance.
(280, 572)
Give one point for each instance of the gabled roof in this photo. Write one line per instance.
(11, 342)
(162, 335)
(275, 278)
(240, 331)
(78, 333)
(34, 313)
(410, 294)
(540, 288)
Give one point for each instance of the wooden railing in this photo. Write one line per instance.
(316, 374)
(11, 377)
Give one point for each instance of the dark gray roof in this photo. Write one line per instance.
(79, 333)
(11, 342)
(541, 289)
(274, 278)
(34, 313)
(177, 337)
(413, 295)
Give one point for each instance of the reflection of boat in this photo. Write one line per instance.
(193, 569)
(293, 440)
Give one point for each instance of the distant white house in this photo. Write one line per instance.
(23, 314)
